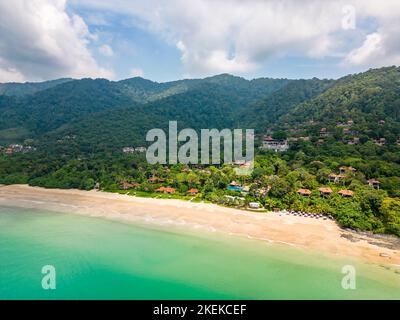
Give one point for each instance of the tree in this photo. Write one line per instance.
(390, 209)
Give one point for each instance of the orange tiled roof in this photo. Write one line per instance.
(325, 190)
(346, 193)
(344, 168)
(304, 191)
(166, 189)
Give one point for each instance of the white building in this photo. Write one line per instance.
(128, 150)
(276, 145)
(140, 149)
(254, 205)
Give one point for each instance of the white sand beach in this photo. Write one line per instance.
(322, 235)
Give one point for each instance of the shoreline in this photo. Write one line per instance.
(324, 236)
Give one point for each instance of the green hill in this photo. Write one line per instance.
(370, 100)
(267, 111)
(68, 102)
(21, 89)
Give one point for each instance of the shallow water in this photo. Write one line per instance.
(101, 259)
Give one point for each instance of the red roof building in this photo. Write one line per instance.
(193, 191)
(325, 192)
(304, 192)
(346, 193)
(166, 190)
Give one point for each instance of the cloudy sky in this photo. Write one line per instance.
(173, 39)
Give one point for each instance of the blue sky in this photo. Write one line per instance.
(136, 52)
(168, 40)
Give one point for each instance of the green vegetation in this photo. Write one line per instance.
(21, 89)
(80, 127)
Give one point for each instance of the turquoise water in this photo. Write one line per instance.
(233, 188)
(101, 259)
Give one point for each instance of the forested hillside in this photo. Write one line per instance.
(33, 114)
(267, 111)
(370, 100)
(343, 136)
(21, 89)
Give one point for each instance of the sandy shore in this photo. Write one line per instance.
(322, 235)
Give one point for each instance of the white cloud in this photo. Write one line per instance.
(106, 50)
(378, 49)
(8, 74)
(381, 47)
(40, 40)
(371, 47)
(136, 72)
(239, 36)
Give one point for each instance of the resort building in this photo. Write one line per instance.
(346, 193)
(355, 141)
(299, 139)
(380, 142)
(304, 192)
(166, 190)
(230, 198)
(155, 180)
(335, 178)
(374, 183)
(235, 184)
(17, 148)
(344, 170)
(254, 205)
(133, 150)
(347, 131)
(354, 132)
(246, 165)
(128, 150)
(239, 162)
(323, 133)
(141, 149)
(275, 144)
(235, 200)
(124, 185)
(193, 191)
(325, 192)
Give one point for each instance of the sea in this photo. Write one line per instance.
(51, 255)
